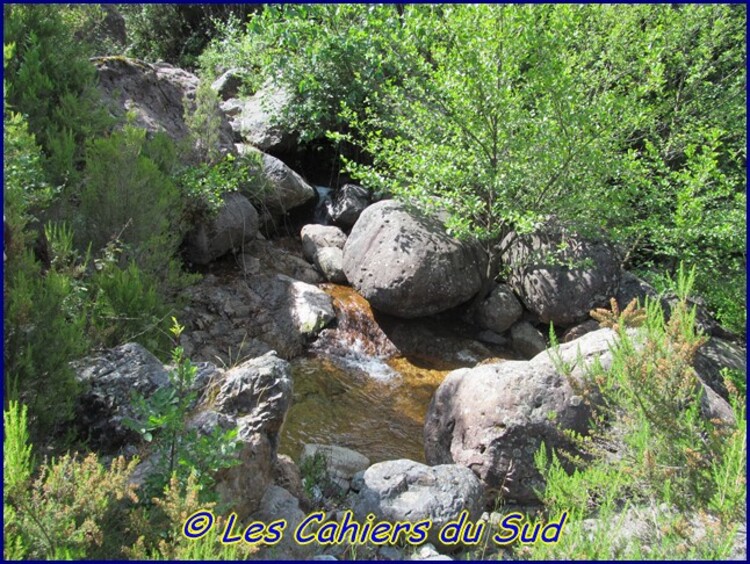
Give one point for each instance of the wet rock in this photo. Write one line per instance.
(404, 490)
(155, 95)
(341, 463)
(561, 286)
(527, 340)
(348, 204)
(493, 418)
(109, 380)
(235, 225)
(499, 310)
(407, 265)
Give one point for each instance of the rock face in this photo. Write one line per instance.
(155, 94)
(341, 463)
(499, 310)
(348, 204)
(234, 319)
(406, 265)
(323, 246)
(109, 379)
(256, 395)
(235, 225)
(493, 418)
(255, 120)
(404, 490)
(561, 287)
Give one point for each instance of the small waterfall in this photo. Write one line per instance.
(321, 215)
(357, 341)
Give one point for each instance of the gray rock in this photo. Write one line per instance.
(715, 355)
(493, 418)
(228, 84)
(341, 463)
(407, 265)
(109, 380)
(404, 490)
(632, 287)
(155, 95)
(499, 310)
(258, 392)
(284, 188)
(236, 319)
(492, 338)
(527, 340)
(257, 121)
(561, 287)
(235, 225)
(348, 204)
(330, 261)
(278, 503)
(315, 237)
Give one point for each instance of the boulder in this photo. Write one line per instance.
(315, 237)
(559, 275)
(715, 355)
(235, 225)
(527, 340)
(580, 330)
(256, 119)
(155, 94)
(404, 490)
(109, 380)
(348, 204)
(407, 265)
(499, 310)
(234, 319)
(341, 463)
(257, 395)
(493, 418)
(284, 189)
(330, 261)
(323, 246)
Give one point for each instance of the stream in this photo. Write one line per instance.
(356, 389)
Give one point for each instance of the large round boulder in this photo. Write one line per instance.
(407, 265)
(494, 417)
(559, 275)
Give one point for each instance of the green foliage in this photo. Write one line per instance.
(203, 185)
(180, 450)
(44, 330)
(204, 122)
(669, 454)
(176, 33)
(323, 54)
(67, 509)
(51, 81)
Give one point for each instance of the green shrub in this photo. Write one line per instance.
(68, 509)
(51, 81)
(179, 451)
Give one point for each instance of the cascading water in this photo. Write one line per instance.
(355, 390)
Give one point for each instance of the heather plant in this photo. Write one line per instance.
(672, 462)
